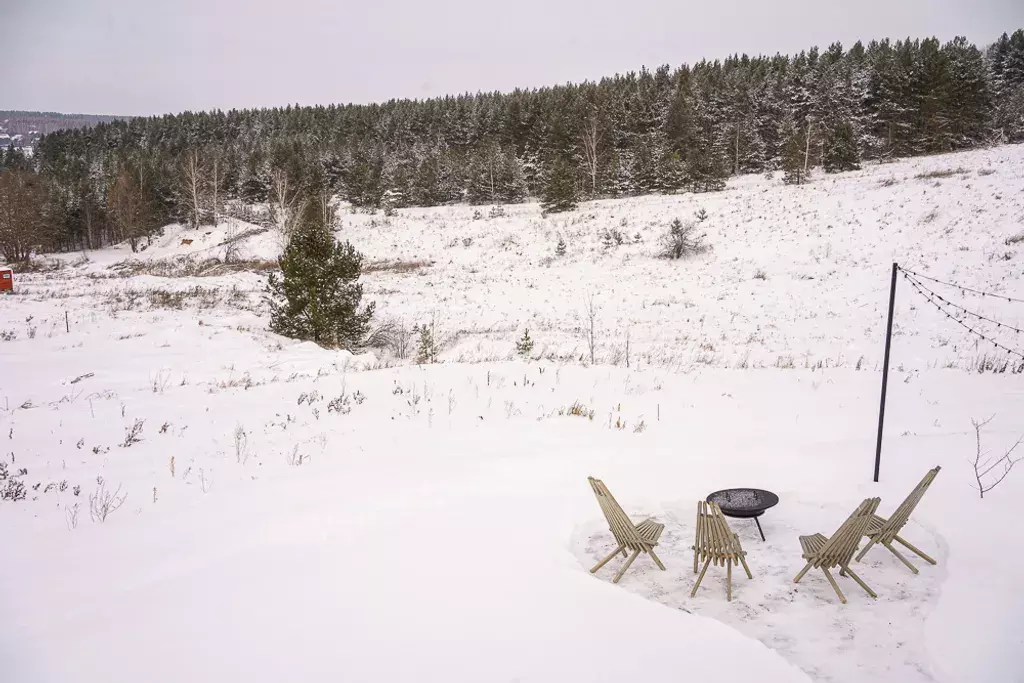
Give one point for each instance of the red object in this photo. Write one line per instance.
(6, 280)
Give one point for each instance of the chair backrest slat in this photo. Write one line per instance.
(840, 547)
(618, 522)
(700, 542)
(714, 538)
(901, 515)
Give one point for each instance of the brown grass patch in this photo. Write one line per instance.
(396, 266)
(948, 173)
(186, 266)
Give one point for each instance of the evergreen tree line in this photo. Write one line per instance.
(667, 130)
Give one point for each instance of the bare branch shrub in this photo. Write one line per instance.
(160, 381)
(103, 503)
(295, 458)
(204, 483)
(241, 445)
(71, 516)
(287, 203)
(990, 471)
(392, 335)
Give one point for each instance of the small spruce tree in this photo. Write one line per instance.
(427, 351)
(793, 155)
(681, 240)
(841, 151)
(525, 344)
(559, 193)
(317, 296)
(704, 171)
(560, 248)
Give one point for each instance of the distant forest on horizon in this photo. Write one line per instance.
(668, 130)
(22, 122)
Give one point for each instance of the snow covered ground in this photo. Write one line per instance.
(293, 513)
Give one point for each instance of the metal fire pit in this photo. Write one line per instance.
(744, 503)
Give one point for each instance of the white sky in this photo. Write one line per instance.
(158, 56)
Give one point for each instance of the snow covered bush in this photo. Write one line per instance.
(317, 297)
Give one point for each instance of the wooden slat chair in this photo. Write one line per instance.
(715, 542)
(632, 537)
(885, 531)
(837, 551)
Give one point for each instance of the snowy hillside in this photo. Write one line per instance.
(824, 252)
(277, 511)
(794, 276)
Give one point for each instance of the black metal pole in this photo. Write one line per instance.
(885, 369)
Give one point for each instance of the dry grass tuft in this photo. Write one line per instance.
(396, 266)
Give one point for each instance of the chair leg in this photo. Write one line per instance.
(916, 551)
(694, 560)
(900, 557)
(728, 581)
(606, 560)
(801, 574)
(745, 567)
(828, 575)
(700, 578)
(625, 566)
(861, 582)
(656, 559)
(864, 552)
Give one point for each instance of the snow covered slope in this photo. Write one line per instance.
(294, 513)
(824, 252)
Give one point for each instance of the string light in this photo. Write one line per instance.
(938, 296)
(964, 289)
(916, 285)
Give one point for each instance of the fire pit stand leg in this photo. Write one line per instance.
(759, 528)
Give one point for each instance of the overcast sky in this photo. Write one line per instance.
(159, 56)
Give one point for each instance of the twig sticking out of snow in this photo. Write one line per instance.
(102, 503)
(982, 469)
(241, 445)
